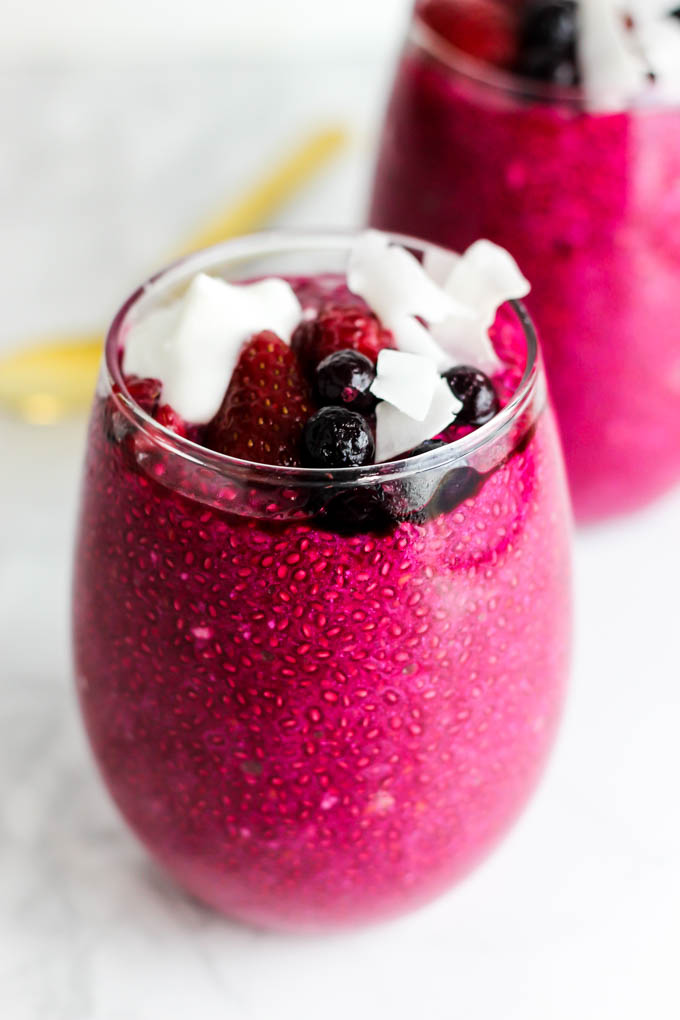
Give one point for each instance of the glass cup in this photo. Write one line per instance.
(311, 713)
(589, 205)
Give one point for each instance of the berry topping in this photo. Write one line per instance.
(265, 407)
(547, 42)
(344, 380)
(171, 420)
(460, 484)
(336, 437)
(339, 328)
(427, 447)
(483, 28)
(352, 511)
(476, 392)
(145, 392)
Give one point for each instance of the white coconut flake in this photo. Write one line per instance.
(614, 71)
(407, 381)
(439, 264)
(393, 282)
(192, 346)
(659, 40)
(412, 337)
(397, 433)
(484, 277)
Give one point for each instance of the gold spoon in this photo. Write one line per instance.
(49, 380)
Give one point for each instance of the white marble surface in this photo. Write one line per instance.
(576, 915)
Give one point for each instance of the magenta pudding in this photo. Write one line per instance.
(312, 720)
(588, 203)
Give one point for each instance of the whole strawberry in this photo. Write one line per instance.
(338, 328)
(265, 407)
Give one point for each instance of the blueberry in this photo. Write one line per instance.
(358, 510)
(458, 485)
(477, 393)
(408, 496)
(336, 437)
(426, 496)
(429, 444)
(547, 42)
(344, 380)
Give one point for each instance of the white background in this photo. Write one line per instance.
(577, 914)
(151, 28)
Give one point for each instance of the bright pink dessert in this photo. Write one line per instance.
(312, 719)
(587, 202)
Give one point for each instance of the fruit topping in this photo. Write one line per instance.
(193, 344)
(427, 447)
(477, 395)
(483, 28)
(355, 510)
(265, 408)
(548, 42)
(336, 437)
(169, 418)
(344, 380)
(340, 328)
(458, 485)
(145, 392)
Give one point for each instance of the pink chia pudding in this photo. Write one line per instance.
(586, 199)
(319, 696)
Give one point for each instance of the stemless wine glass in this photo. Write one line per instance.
(589, 205)
(319, 698)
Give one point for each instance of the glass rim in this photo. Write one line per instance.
(291, 241)
(477, 71)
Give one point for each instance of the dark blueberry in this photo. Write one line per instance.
(429, 444)
(525, 440)
(424, 497)
(344, 380)
(353, 511)
(336, 437)
(408, 496)
(477, 393)
(458, 485)
(547, 42)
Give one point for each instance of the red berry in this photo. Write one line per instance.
(338, 328)
(486, 29)
(165, 415)
(145, 392)
(265, 407)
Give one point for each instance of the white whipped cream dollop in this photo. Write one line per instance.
(458, 297)
(192, 345)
